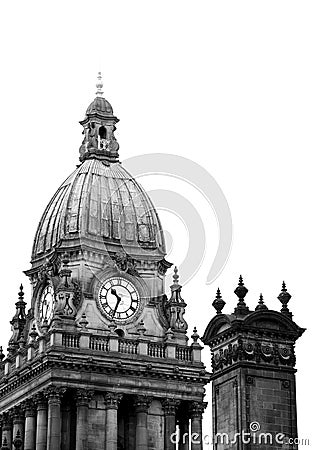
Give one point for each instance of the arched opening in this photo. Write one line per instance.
(102, 132)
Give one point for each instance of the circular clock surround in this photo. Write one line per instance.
(46, 304)
(119, 299)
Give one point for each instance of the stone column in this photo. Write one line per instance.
(42, 422)
(83, 398)
(54, 395)
(18, 427)
(196, 411)
(169, 407)
(66, 425)
(184, 432)
(30, 425)
(142, 403)
(6, 430)
(112, 401)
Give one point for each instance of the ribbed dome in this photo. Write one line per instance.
(100, 205)
(100, 105)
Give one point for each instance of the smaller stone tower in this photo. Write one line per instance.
(253, 379)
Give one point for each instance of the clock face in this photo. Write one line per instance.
(46, 304)
(119, 299)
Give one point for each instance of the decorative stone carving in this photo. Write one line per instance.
(125, 263)
(54, 394)
(40, 400)
(285, 384)
(83, 397)
(113, 146)
(112, 400)
(196, 409)
(170, 406)
(163, 266)
(252, 351)
(175, 307)
(241, 291)
(218, 302)
(67, 292)
(250, 380)
(17, 323)
(91, 137)
(142, 403)
(29, 407)
(284, 298)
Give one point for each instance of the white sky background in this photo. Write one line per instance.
(227, 84)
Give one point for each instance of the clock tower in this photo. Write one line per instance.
(101, 358)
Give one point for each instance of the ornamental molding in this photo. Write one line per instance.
(244, 350)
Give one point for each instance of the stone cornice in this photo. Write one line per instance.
(113, 367)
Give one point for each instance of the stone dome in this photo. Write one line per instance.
(101, 207)
(99, 106)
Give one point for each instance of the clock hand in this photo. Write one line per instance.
(113, 292)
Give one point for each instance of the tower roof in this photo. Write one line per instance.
(99, 106)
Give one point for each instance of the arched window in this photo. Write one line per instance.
(102, 132)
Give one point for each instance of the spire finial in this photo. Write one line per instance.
(218, 302)
(261, 305)
(21, 293)
(175, 276)
(241, 291)
(284, 298)
(99, 85)
(195, 336)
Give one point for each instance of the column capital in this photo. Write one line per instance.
(29, 407)
(142, 403)
(112, 400)
(170, 406)
(17, 414)
(54, 394)
(40, 401)
(6, 421)
(83, 397)
(196, 409)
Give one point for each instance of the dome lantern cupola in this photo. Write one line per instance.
(99, 126)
